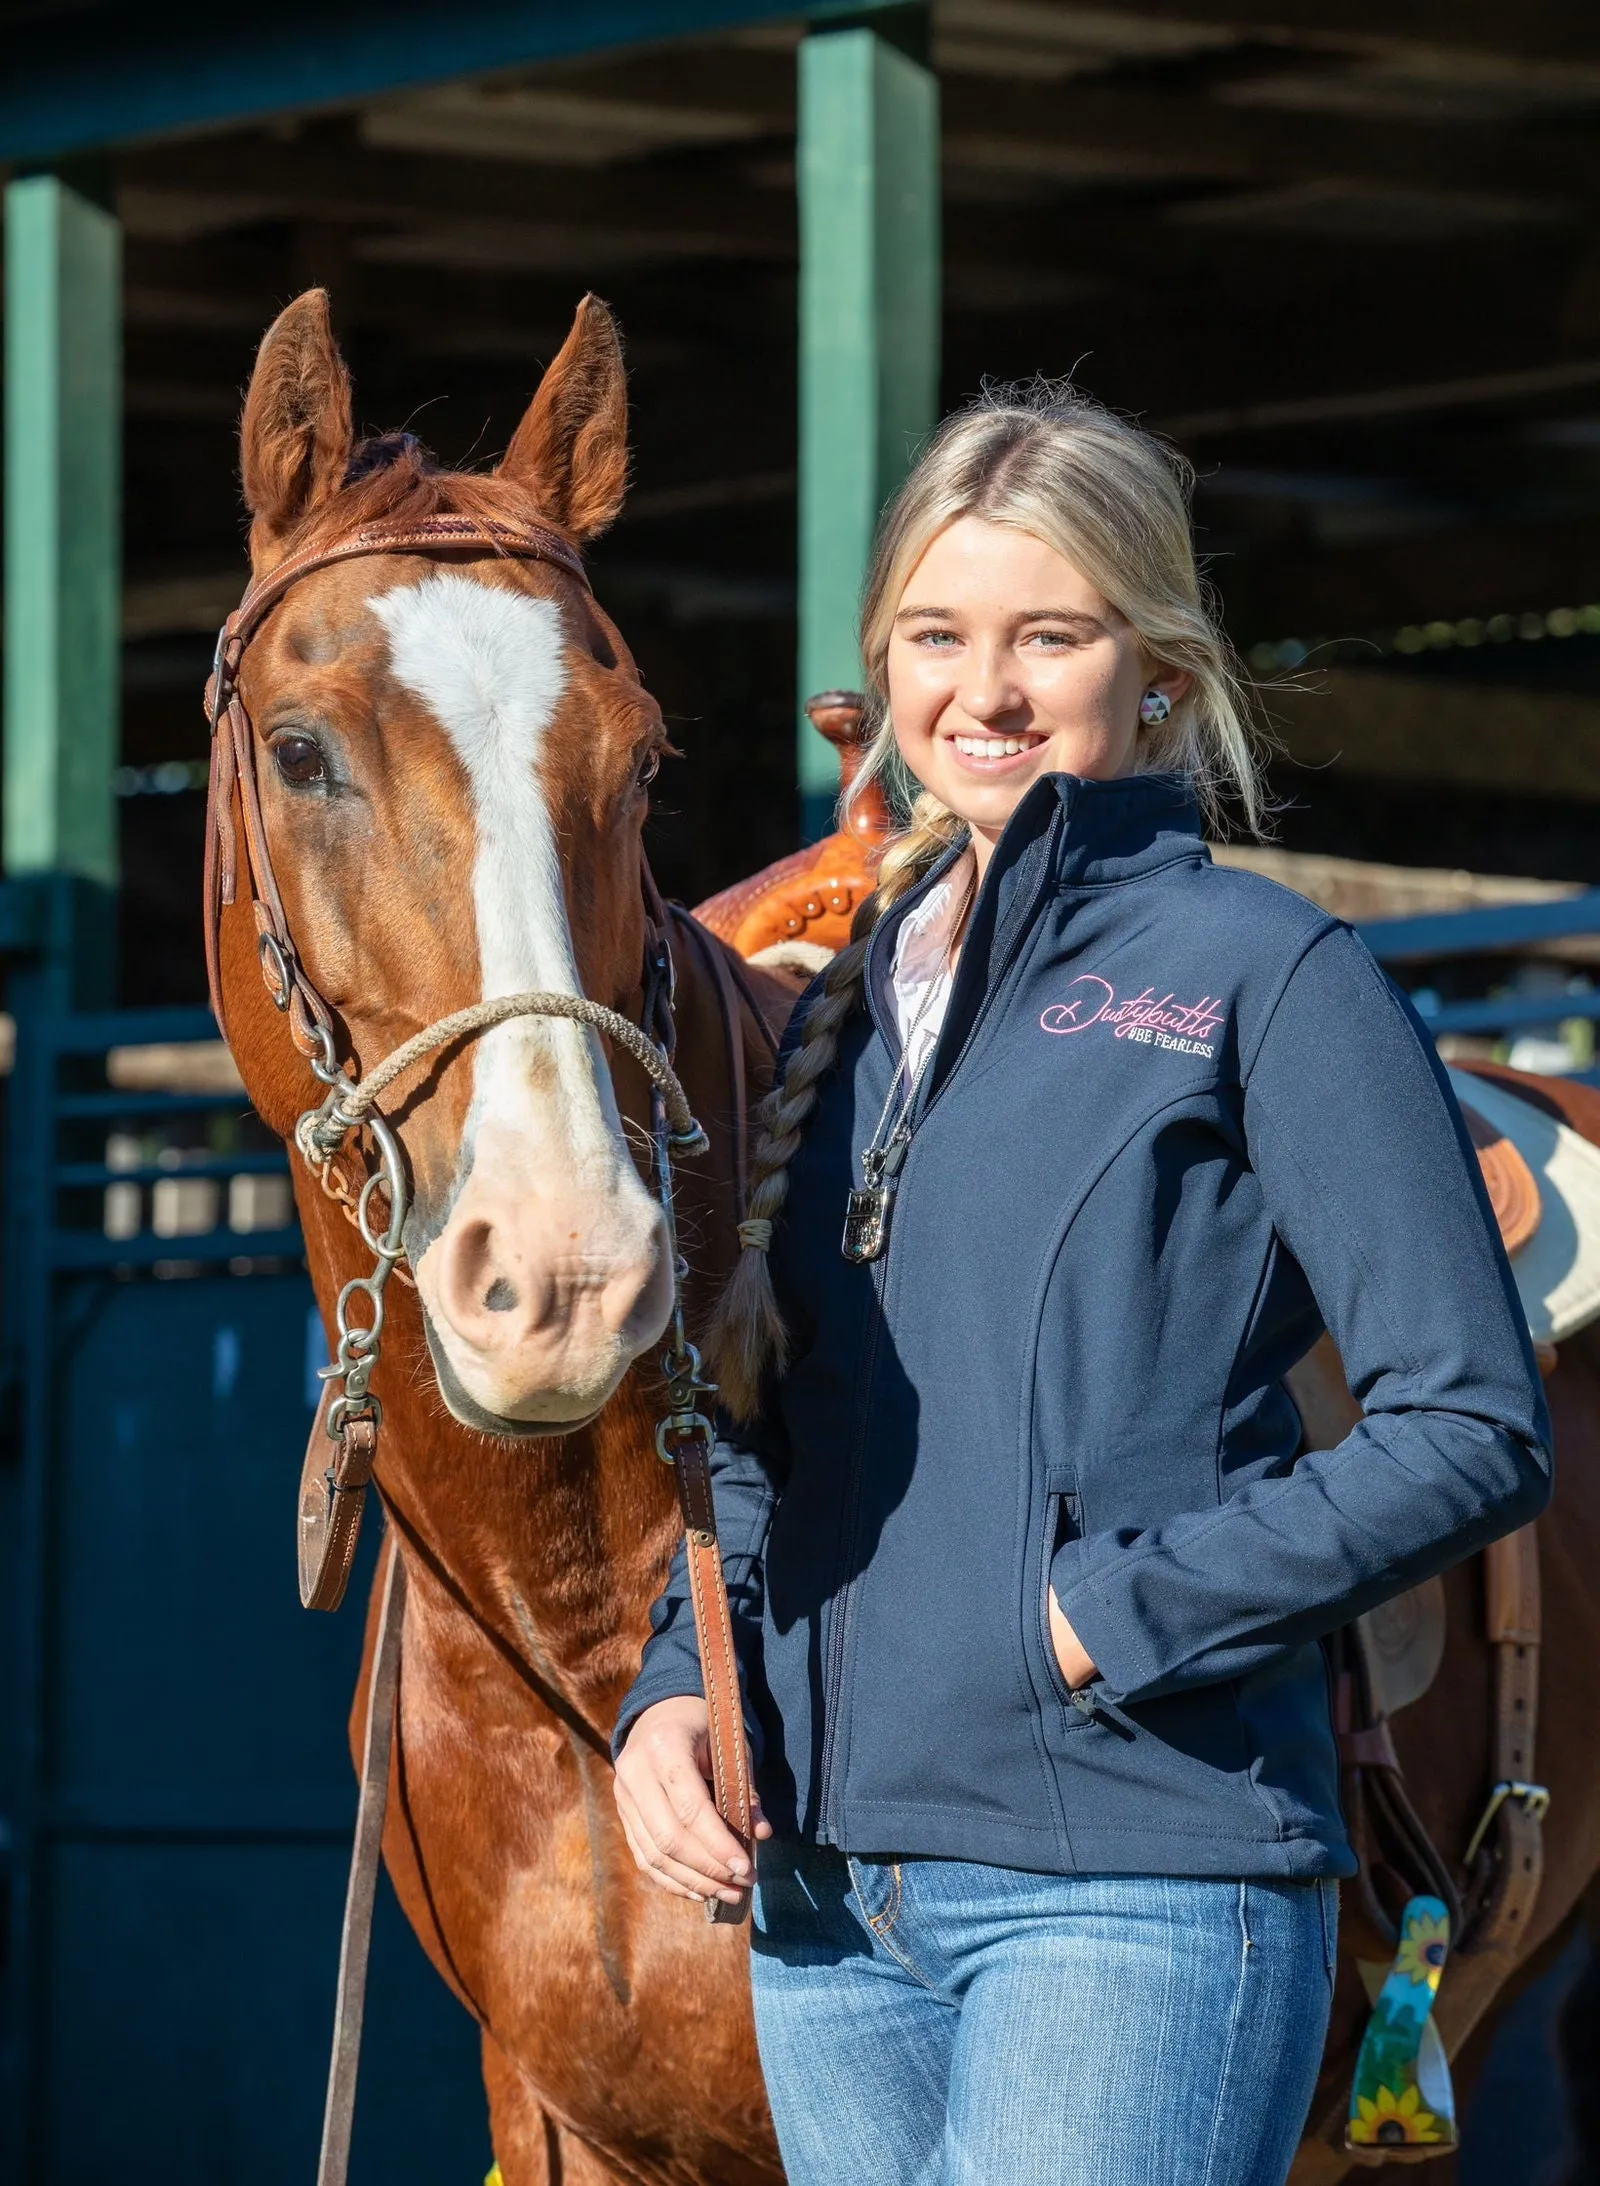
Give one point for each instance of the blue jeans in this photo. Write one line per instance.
(938, 2023)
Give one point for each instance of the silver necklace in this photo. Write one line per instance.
(868, 1212)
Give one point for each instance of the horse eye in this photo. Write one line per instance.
(299, 760)
(649, 768)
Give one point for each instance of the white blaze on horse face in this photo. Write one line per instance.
(556, 1214)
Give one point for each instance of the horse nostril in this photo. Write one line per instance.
(501, 1296)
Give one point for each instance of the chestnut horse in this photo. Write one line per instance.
(453, 755)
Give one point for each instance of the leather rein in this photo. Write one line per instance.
(344, 1437)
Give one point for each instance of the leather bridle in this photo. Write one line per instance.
(333, 1487)
(233, 753)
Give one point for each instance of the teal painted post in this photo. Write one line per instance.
(868, 178)
(63, 421)
(63, 425)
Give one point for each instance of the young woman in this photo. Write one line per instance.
(1075, 1150)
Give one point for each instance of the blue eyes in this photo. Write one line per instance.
(1049, 641)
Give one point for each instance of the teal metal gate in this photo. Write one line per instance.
(177, 1780)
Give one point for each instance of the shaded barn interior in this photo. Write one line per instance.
(1345, 257)
(1353, 273)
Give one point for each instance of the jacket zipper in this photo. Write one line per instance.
(838, 1623)
(1023, 916)
(838, 1629)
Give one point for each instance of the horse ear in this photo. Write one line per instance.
(570, 453)
(294, 441)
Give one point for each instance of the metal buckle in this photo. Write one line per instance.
(1534, 1799)
(275, 970)
(679, 1426)
(219, 690)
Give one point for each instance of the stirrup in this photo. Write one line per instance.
(1402, 2105)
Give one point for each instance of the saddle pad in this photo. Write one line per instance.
(1558, 1270)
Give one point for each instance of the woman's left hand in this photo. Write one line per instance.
(1076, 1666)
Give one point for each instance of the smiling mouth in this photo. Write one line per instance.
(992, 748)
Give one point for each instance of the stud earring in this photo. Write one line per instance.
(1154, 708)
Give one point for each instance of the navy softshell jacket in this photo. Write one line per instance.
(1176, 1123)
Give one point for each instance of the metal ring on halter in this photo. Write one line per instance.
(360, 1341)
(275, 970)
(325, 1064)
(388, 1247)
(389, 1173)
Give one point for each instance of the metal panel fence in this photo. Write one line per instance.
(176, 1777)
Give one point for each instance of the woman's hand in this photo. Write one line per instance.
(1076, 1666)
(674, 1831)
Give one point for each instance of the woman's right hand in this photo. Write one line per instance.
(674, 1831)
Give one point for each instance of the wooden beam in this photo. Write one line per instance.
(1184, 129)
(83, 78)
(1427, 730)
(63, 529)
(1290, 588)
(1195, 121)
(328, 176)
(1536, 30)
(869, 339)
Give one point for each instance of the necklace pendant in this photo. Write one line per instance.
(867, 1213)
(866, 1223)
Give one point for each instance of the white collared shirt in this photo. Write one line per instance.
(923, 972)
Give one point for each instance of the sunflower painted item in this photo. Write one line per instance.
(1402, 2106)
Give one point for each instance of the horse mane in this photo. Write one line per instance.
(393, 477)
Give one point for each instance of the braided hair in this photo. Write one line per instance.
(747, 1339)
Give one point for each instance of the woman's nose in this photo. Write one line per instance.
(991, 687)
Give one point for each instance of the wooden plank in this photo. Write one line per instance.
(868, 169)
(63, 529)
(1495, 926)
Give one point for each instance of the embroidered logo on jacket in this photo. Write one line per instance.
(1154, 1020)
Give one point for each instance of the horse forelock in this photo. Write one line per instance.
(393, 478)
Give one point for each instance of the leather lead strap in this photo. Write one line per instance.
(333, 1491)
(355, 1941)
(719, 1664)
(1497, 1939)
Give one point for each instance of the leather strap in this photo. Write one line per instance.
(233, 756)
(355, 1941)
(689, 1450)
(719, 1664)
(418, 535)
(713, 954)
(333, 1493)
(1510, 1866)
(1369, 1748)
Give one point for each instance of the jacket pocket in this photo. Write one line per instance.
(1060, 1524)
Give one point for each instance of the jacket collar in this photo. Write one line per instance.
(1115, 831)
(1065, 833)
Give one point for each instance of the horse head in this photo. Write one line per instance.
(452, 749)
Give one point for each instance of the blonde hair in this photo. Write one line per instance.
(1050, 461)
